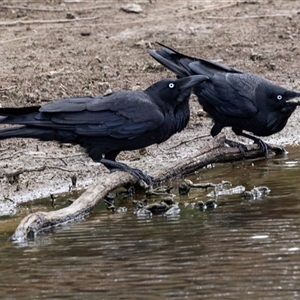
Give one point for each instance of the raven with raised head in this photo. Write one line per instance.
(107, 125)
(233, 98)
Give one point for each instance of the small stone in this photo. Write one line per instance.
(143, 213)
(85, 33)
(168, 199)
(103, 87)
(136, 87)
(132, 8)
(183, 188)
(121, 210)
(200, 205)
(108, 92)
(202, 113)
(211, 204)
(109, 197)
(174, 210)
(70, 16)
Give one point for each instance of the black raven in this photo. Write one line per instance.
(107, 125)
(233, 98)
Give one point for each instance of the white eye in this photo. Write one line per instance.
(279, 97)
(171, 85)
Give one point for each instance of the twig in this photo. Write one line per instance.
(247, 17)
(3, 151)
(10, 156)
(21, 171)
(31, 22)
(14, 40)
(189, 140)
(59, 168)
(54, 9)
(60, 157)
(7, 88)
(208, 8)
(32, 8)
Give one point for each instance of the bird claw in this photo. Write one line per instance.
(114, 166)
(238, 145)
(264, 147)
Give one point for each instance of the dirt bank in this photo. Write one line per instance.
(56, 49)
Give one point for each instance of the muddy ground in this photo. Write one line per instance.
(54, 49)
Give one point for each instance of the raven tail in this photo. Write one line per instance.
(26, 132)
(173, 60)
(18, 111)
(184, 65)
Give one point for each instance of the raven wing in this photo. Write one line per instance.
(231, 94)
(119, 115)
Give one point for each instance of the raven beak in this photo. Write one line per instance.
(190, 81)
(293, 96)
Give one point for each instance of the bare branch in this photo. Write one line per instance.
(31, 225)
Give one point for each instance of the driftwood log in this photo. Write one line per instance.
(36, 222)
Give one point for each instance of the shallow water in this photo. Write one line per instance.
(243, 249)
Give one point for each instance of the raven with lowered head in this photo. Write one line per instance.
(107, 125)
(233, 98)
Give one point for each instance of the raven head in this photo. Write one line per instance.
(275, 97)
(290, 103)
(170, 93)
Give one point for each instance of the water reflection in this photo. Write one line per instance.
(244, 249)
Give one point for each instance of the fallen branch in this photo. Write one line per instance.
(32, 224)
(36, 222)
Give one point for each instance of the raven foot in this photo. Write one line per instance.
(114, 166)
(264, 147)
(238, 145)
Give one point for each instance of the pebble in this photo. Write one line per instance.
(132, 8)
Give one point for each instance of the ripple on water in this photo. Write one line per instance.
(243, 249)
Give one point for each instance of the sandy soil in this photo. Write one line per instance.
(54, 49)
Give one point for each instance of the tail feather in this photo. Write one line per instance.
(33, 124)
(19, 115)
(173, 62)
(28, 119)
(44, 134)
(184, 65)
(24, 131)
(18, 111)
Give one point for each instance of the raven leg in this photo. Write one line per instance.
(216, 129)
(113, 166)
(262, 145)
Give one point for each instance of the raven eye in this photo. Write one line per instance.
(171, 85)
(279, 97)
